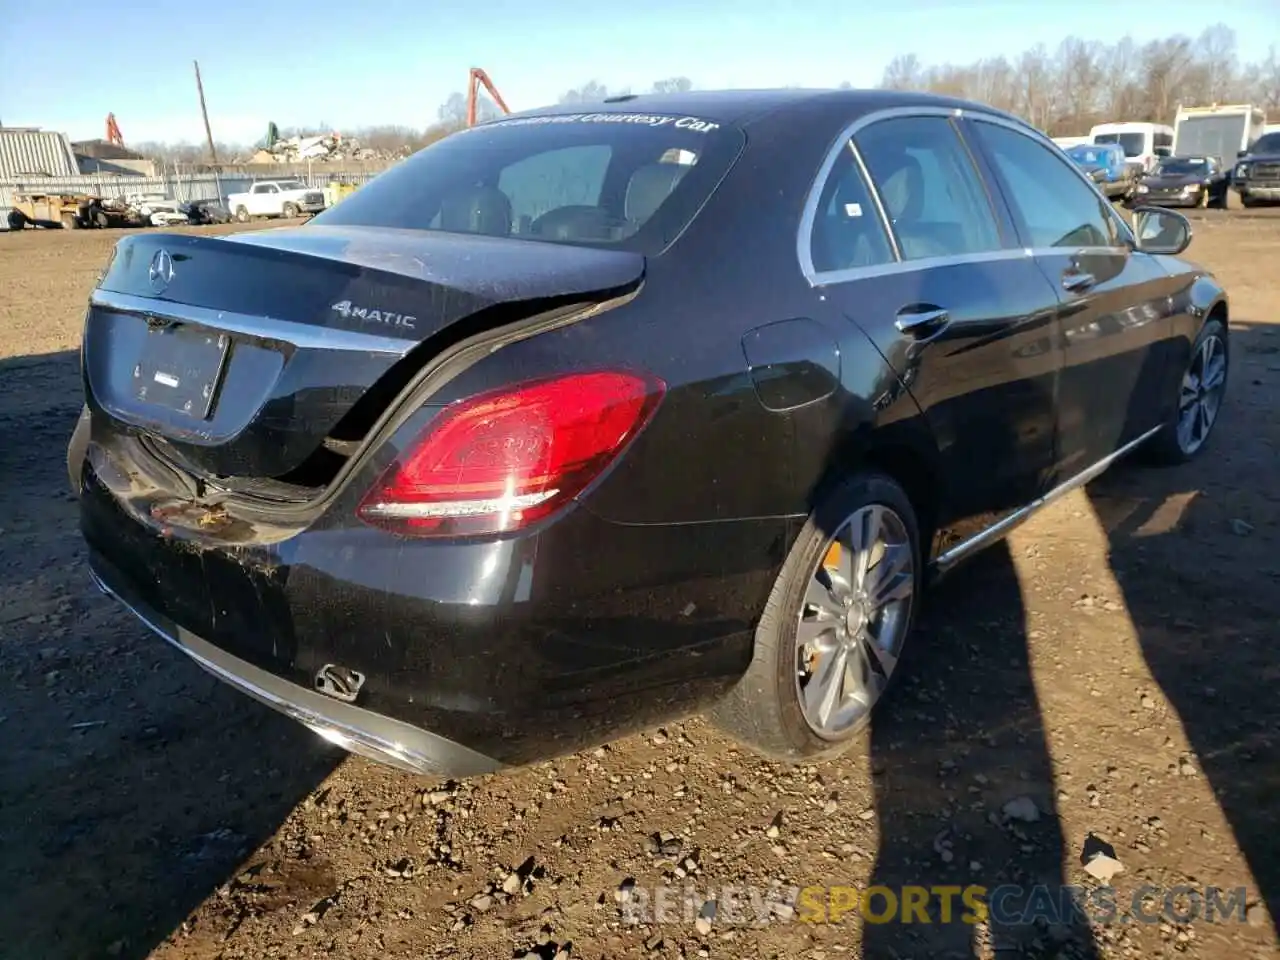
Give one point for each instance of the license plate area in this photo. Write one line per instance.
(180, 368)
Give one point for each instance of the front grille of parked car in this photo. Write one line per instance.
(313, 198)
(1266, 171)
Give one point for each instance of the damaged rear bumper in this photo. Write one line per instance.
(357, 730)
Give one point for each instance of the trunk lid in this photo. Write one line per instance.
(240, 355)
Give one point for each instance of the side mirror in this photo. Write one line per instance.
(1161, 231)
(1241, 153)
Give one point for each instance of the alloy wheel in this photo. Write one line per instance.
(1201, 396)
(854, 620)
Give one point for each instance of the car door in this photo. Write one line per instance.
(262, 200)
(1114, 303)
(925, 263)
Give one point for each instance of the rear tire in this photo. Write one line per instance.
(1197, 409)
(777, 708)
(242, 215)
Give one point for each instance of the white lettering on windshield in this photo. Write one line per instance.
(694, 124)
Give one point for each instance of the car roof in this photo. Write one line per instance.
(743, 106)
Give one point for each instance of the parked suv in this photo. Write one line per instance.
(1257, 174)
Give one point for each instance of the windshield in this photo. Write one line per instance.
(1268, 143)
(291, 185)
(620, 180)
(1132, 144)
(1182, 165)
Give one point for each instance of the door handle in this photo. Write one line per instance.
(922, 320)
(1078, 281)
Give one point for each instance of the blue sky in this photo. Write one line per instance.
(395, 61)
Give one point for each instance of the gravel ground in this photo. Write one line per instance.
(1108, 672)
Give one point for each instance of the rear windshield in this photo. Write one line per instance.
(1180, 165)
(627, 181)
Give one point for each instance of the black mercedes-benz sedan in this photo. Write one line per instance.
(587, 419)
(1183, 182)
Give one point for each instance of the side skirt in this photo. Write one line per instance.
(998, 531)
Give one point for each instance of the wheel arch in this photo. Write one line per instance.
(910, 460)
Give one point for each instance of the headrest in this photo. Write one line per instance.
(477, 210)
(903, 190)
(649, 186)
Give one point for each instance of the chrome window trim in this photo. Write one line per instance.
(1034, 135)
(831, 277)
(301, 335)
(804, 236)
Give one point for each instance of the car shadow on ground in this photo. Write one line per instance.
(133, 784)
(964, 782)
(1196, 552)
(964, 786)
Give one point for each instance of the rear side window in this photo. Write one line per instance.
(930, 188)
(1055, 206)
(617, 180)
(847, 231)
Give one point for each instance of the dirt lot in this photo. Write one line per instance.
(1114, 664)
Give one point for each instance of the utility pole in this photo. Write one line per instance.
(204, 112)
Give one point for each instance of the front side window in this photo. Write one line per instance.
(929, 186)
(847, 232)
(618, 180)
(1054, 205)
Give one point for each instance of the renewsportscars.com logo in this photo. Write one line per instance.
(1004, 905)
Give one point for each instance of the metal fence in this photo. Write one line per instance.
(180, 187)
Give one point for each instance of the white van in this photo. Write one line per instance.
(1143, 143)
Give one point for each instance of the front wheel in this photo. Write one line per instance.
(834, 626)
(1200, 395)
(289, 211)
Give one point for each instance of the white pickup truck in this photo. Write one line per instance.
(275, 198)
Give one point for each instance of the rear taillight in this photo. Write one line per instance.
(503, 460)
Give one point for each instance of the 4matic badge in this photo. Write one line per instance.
(349, 311)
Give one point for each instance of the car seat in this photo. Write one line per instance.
(478, 209)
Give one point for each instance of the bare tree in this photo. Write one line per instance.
(903, 73)
(592, 91)
(1262, 82)
(1086, 82)
(673, 85)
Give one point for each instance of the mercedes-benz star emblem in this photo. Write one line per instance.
(161, 270)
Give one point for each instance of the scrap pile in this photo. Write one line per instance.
(326, 148)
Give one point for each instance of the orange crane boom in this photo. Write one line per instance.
(477, 78)
(113, 131)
